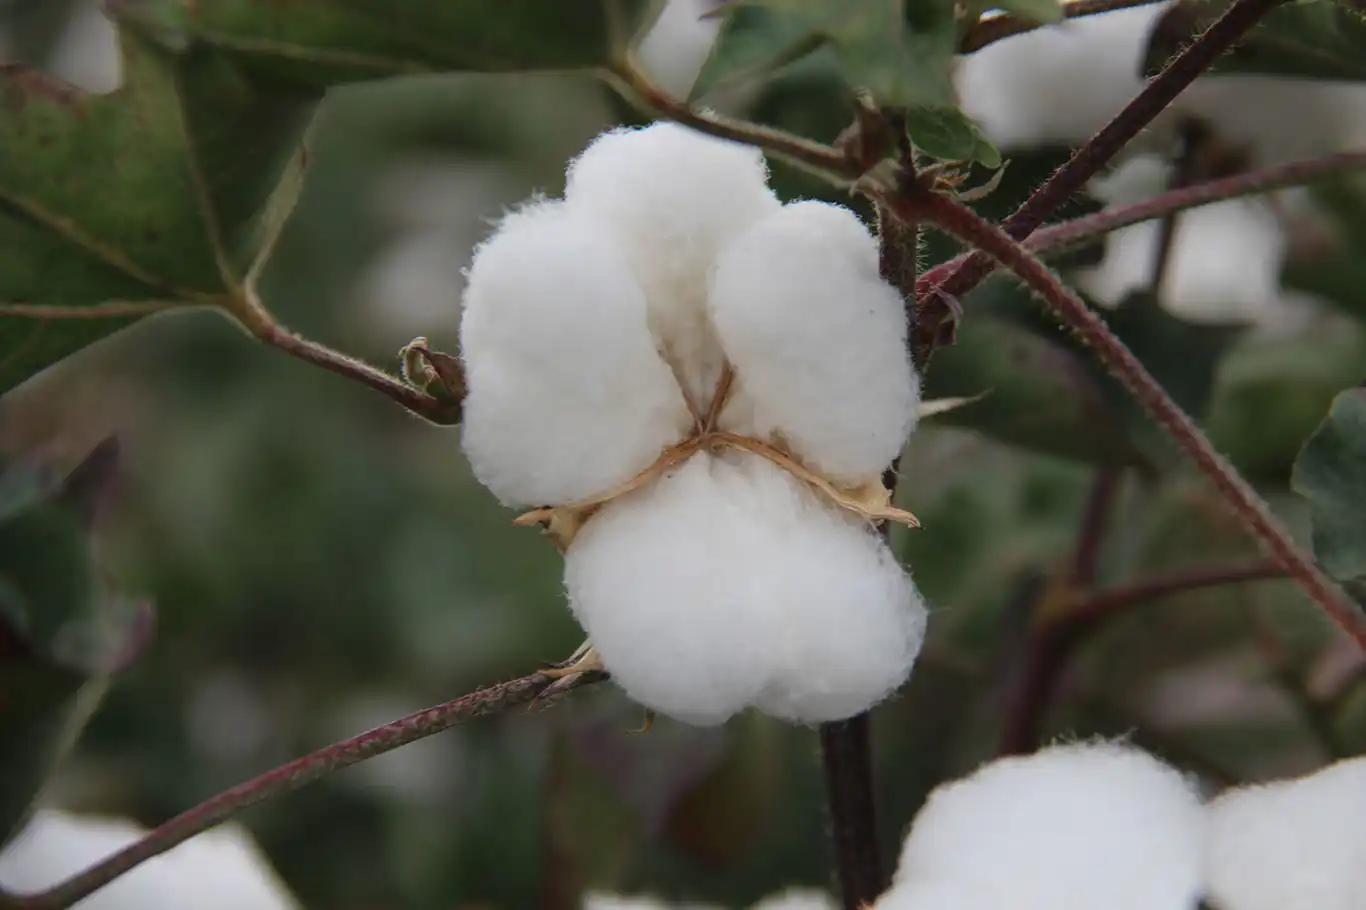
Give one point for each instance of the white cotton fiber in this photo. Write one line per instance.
(222, 869)
(567, 395)
(797, 899)
(673, 199)
(1071, 827)
(596, 901)
(933, 894)
(727, 584)
(1291, 845)
(818, 341)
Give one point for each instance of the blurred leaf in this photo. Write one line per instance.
(155, 194)
(1270, 394)
(1336, 270)
(61, 633)
(901, 54)
(1320, 39)
(1038, 394)
(1331, 474)
(313, 46)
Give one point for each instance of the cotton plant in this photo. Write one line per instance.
(697, 390)
(222, 869)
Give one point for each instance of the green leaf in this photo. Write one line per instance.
(1044, 12)
(1271, 393)
(1320, 39)
(114, 206)
(1331, 474)
(319, 44)
(1335, 267)
(62, 634)
(903, 55)
(1038, 394)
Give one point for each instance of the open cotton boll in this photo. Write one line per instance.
(1225, 260)
(221, 869)
(1070, 827)
(1291, 845)
(567, 395)
(817, 339)
(674, 198)
(727, 584)
(1056, 84)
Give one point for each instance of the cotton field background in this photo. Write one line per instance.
(321, 563)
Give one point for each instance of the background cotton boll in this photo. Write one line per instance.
(818, 341)
(617, 902)
(674, 199)
(567, 394)
(676, 46)
(1059, 83)
(937, 895)
(1068, 828)
(797, 899)
(1291, 845)
(220, 869)
(727, 584)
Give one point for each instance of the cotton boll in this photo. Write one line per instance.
(677, 45)
(727, 584)
(222, 869)
(1059, 83)
(567, 395)
(1291, 845)
(674, 198)
(797, 899)
(617, 902)
(817, 339)
(1069, 828)
(937, 895)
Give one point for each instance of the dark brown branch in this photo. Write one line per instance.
(934, 315)
(289, 777)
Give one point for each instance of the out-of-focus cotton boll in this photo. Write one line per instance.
(222, 869)
(567, 395)
(617, 902)
(931, 894)
(817, 339)
(677, 45)
(1225, 259)
(1056, 84)
(797, 899)
(1291, 845)
(727, 584)
(1069, 828)
(673, 199)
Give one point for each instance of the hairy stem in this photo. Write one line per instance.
(993, 28)
(497, 699)
(1053, 643)
(1090, 329)
(933, 312)
(254, 317)
(827, 161)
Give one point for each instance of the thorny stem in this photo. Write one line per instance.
(497, 699)
(991, 29)
(933, 312)
(254, 317)
(1053, 643)
(964, 224)
(631, 82)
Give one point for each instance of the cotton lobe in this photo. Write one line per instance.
(1075, 826)
(701, 388)
(1291, 845)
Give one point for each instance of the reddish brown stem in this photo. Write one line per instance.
(1090, 329)
(933, 311)
(1052, 645)
(1094, 522)
(293, 775)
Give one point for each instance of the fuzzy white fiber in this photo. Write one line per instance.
(567, 395)
(1291, 845)
(1070, 827)
(222, 869)
(727, 584)
(817, 339)
(673, 199)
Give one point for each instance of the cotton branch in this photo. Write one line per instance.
(1053, 642)
(933, 314)
(497, 699)
(965, 225)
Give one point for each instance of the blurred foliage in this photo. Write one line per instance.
(322, 563)
(1331, 474)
